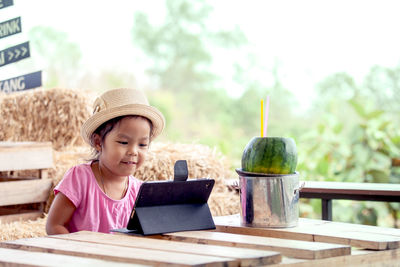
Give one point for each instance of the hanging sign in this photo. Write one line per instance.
(21, 83)
(10, 27)
(14, 54)
(6, 3)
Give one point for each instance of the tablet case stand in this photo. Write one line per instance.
(172, 206)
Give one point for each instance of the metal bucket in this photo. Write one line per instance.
(269, 200)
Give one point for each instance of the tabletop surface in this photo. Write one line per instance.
(311, 243)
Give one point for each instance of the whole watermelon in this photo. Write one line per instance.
(270, 155)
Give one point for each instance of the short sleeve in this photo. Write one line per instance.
(136, 183)
(73, 184)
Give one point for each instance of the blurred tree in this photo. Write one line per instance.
(180, 47)
(107, 78)
(180, 50)
(59, 57)
(362, 153)
(339, 86)
(373, 144)
(383, 84)
(381, 87)
(355, 139)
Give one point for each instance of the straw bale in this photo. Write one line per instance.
(54, 115)
(22, 229)
(203, 162)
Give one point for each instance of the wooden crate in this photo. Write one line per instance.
(17, 191)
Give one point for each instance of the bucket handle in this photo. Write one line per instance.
(235, 186)
(297, 190)
(296, 194)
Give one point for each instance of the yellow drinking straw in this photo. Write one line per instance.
(262, 119)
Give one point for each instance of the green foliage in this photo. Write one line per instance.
(339, 86)
(180, 47)
(360, 151)
(383, 84)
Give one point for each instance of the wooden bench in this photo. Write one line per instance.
(16, 190)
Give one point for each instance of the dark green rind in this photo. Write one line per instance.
(271, 155)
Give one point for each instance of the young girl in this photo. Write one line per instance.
(99, 195)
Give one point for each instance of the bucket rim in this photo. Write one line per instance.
(241, 172)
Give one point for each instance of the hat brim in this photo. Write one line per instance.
(153, 114)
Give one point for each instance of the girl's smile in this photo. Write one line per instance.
(125, 147)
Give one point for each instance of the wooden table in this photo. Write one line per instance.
(311, 243)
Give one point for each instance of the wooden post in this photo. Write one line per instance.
(326, 209)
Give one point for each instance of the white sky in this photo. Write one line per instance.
(310, 39)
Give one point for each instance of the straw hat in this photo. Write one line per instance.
(121, 102)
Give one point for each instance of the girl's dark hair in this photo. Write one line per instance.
(107, 127)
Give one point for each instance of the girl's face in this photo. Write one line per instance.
(125, 147)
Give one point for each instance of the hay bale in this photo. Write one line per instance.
(54, 115)
(23, 229)
(203, 162)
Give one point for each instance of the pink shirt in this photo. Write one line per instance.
(95, 211)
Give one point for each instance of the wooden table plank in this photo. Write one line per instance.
(14, 257)
(246, 257)
(116, 253)
(290, 248)
(317, 230)
(394, 232)
(385, 258)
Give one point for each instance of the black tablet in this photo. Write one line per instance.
(171, 206)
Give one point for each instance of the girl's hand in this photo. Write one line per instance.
(60, 213)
